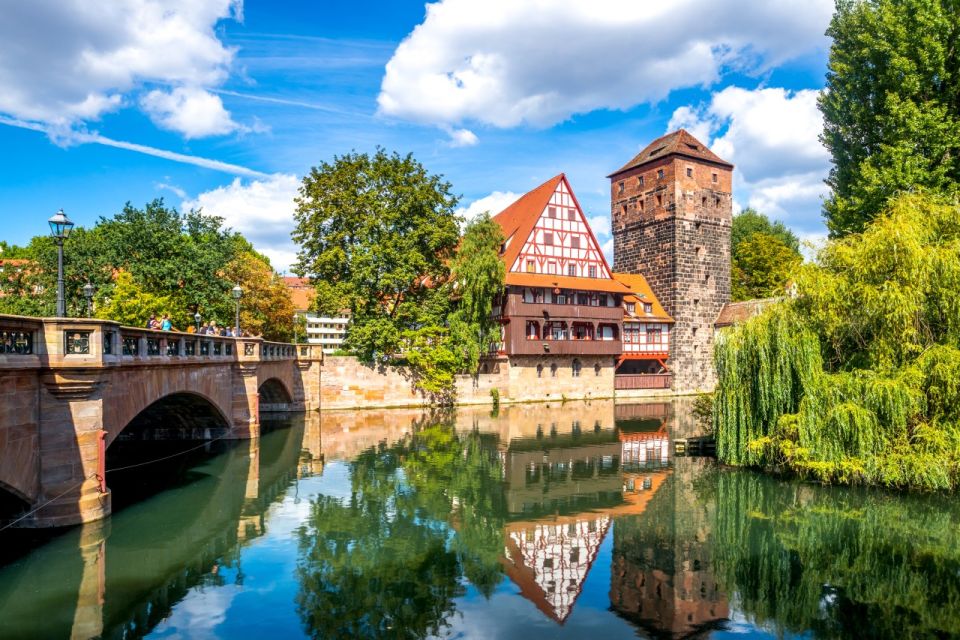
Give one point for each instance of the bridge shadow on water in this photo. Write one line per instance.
(176, 523)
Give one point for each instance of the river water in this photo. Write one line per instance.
(563, 521)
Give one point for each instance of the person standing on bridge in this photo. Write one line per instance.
(152, 322)
(166, 325)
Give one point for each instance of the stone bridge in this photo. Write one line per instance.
(71, 387)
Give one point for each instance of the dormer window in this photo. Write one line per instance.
(647, 307)
(631, 307)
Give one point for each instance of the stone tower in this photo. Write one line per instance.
(671, 209)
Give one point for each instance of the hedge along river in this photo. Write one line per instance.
(540, 521)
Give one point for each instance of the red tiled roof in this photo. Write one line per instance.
(737, 312)
(640, 293)
(301, 292)
(680, 143)
(552, 281)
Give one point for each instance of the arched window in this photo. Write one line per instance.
(539, 370)
(576, 368)
(553, 370)
(596, 369)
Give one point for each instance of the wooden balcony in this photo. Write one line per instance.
(517, 308)
(624, 382)
(520, 345)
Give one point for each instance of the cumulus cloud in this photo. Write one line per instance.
(511, 62)
(262, 210)
(493, 203)
(772, 136)
(66, 62)
(193, 112)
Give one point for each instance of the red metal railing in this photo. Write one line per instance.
(628, 381)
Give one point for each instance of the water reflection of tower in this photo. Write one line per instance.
(661, 574)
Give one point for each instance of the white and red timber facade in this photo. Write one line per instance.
(648, 322)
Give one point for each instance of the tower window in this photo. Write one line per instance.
(639, 181)
(623, 209)
(703, 202)
(659, 174)
(689, 172)
(659, 200)
(714, 177)
(640, 204)
(620, 187)
(716, 202)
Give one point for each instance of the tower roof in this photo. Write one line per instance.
(680, 143)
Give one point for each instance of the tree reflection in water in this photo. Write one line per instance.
(387, 562)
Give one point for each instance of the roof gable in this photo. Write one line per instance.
(549, 235)
(681, 143)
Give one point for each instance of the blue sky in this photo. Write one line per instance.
(225, 105)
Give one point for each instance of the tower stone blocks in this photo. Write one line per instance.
(671, 208)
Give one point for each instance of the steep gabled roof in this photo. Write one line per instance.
(679, 143)
(519, 219)
(641, 292)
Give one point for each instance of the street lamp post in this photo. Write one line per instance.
(60, 227)
(237, 294)
(88, 294)
(196, 318)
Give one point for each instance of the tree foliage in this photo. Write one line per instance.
(891, 106)
(853, 380)
(763, 253)
(150, 260)
(378, 235)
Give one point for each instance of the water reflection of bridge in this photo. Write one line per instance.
(120, 577)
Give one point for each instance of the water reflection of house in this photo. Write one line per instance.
(564, 488)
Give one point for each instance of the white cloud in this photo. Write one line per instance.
(262, 210)
(493, 203)
(193, 112)
(600, 225)
(461, 137)
(772, 136)
(511, 62)
(66, 62)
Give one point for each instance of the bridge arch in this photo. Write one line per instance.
(12, 502)
(274, 396)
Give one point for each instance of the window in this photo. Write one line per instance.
(553, 370)
(714, 177)
(703, 201)
(575, 369)
(551, 267)
(583, 299)
(659, 174)
(547, 237)
(631, 307)
(531, 266)
(689, 172)
(602, 299)
(716, 202)
(572, 270)
(592, 270)
(552, 212)
(561, 298)
(659, 200)
(533, 330)
(606, 332)
(639, 181)
(571, 214)
(575, 242)
(539, 370)
(620, 187)
(596, 372)
(538, 296)
(647, 307)
(640, 204)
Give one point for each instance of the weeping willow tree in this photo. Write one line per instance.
(857, 378)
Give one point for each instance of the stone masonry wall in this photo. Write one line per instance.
(675, 230)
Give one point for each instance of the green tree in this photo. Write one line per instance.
(762, 265)
(130, 305)
(266, 307)
(750, 221)
(891, 106)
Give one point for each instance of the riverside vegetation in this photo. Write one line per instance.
(857, 377)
